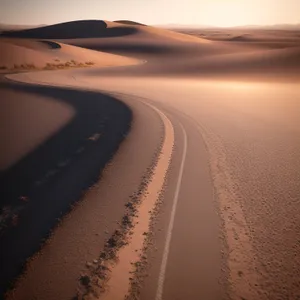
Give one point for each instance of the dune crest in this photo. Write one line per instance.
(97, 29)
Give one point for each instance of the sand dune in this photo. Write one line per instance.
(96, 29)
(263, 62)
(244, 35)
(76, 29)
(237, 49)
(26, 54)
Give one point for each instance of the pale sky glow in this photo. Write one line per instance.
(191, 12)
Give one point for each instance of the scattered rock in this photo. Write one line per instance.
(126, 221)
(24, 198)
(129, 205)
(15, 219)
(112, 242)
(85, 280)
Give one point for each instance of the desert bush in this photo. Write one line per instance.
(30, 66)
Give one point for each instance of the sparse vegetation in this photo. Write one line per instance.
(20, 67)
(30, 66)
(49, 66)
(69, 64)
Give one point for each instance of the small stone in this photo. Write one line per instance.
(24, 198)
(95, 261)
(88, 264)
(85, 280)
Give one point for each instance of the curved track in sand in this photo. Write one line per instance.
(235, 228)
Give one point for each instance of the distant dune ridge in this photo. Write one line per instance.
(46, 46)
(95, 29)
(258, 27)
(65, 45)
(72, 30)
(22, 53)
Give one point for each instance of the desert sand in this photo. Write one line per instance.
(226, 220)
(20, 54)
(27, 122)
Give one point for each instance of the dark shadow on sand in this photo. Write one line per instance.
(127, 48)
(51, 45)
(56, 174)
(72, 30)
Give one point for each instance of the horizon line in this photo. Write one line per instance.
(164, 24)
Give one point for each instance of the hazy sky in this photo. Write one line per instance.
(192, 12)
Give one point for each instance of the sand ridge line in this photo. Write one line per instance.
(118, 284)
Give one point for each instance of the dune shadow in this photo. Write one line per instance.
(126, 48)
(51, 45)
(72, 30)
(240, 38)
(55, 174)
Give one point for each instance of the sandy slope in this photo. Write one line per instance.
(30, 54)
(245, 35)
(26, 121)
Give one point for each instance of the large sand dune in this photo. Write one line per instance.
(26, 54)
(96, 29)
